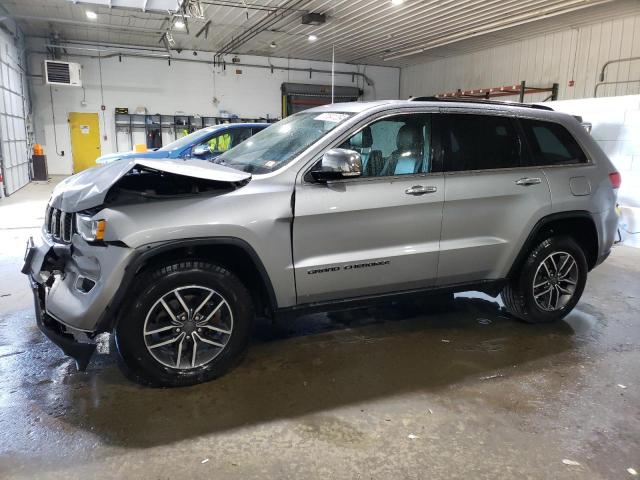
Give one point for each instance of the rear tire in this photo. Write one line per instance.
(549, 284)
(188, 322)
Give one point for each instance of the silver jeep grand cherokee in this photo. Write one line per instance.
(332, 207)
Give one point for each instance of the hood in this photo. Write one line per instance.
(112, 157)
(89, 188)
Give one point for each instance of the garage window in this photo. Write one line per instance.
(551, 144)
(479, 142)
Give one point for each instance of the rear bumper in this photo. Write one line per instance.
(602, 258)
(607, 226)
(58, 333)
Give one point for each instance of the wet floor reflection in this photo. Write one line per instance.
(306, 365)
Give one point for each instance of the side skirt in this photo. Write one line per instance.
(490, 287)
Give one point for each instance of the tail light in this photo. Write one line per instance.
(616, 179)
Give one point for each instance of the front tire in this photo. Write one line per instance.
(188, 322)
(550, 282)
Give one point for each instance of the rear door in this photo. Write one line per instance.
(492, 198)
(565, 164)
(378, 233)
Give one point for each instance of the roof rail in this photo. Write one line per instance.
(479, 100)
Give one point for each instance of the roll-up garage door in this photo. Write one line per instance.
(300, 96)
(14, 156)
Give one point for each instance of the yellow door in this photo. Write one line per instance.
(85, 140)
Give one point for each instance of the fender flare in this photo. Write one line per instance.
(147, 252)
(537, 228)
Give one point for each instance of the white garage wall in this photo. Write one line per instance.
(572, 54)
(14, 105)
(177, 88)
(615, 126)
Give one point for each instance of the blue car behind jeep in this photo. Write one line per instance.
(206, 143)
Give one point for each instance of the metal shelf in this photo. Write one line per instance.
(520, 89)
(175, 123)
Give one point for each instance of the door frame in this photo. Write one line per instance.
(303, 178)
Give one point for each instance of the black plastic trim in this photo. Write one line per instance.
(529, 243)
(490, 287)
(146, 253)
(478, 101)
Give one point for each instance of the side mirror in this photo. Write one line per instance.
(336, 164)
(200, 150)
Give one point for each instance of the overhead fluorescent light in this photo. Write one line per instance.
(91, 15)
(312, 38)
(179, 24)
(397, 2)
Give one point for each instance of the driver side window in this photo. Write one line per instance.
(219, 143)
(399, 145)
(224, 141)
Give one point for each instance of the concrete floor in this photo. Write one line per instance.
(379, 393)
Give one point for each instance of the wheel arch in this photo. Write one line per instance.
(232, 253)
(577, 224)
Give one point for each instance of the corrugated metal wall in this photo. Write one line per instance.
(573, 54)
(14, 151)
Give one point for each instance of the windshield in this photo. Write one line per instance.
(187, 139)
(278, 144)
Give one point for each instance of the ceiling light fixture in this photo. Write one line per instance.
(273, 45)
(312, 38)
(395, 3)
(179, 24)
(91, 15)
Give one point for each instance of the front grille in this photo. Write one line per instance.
(58, 224)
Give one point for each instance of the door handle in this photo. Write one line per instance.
(526, 181)
(420, 190)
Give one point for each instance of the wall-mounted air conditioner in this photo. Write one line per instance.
(61, 73)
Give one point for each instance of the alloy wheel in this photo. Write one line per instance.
(188, 327)
(555, 280)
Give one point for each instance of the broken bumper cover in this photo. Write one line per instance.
(81, 352)
(73, 285)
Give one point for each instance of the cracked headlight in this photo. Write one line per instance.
(90, 230)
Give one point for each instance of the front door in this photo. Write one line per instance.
(492, 197)
(85, 140)
(378, 233)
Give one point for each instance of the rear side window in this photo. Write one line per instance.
(479, 142)
(551, 144)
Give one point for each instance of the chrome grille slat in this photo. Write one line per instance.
(47, 219)
(58, 224)
(68, 227)
(55, 224)
(61, 223)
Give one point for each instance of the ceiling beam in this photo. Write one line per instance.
(95, 25)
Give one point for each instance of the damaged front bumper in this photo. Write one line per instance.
(81, 352)
(73, 285)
